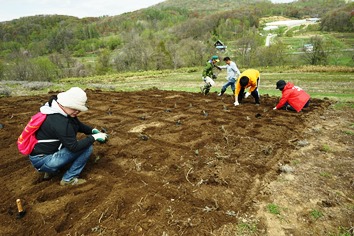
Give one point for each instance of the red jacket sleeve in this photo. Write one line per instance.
(284, 98)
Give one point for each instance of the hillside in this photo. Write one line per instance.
(170, 35)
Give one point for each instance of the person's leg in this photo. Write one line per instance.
(54, 162)
(232, 84)
(206, 89)
(255, 95)
(288, 107)
(78, 163)
(223, 89)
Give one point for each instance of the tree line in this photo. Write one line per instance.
(50, 47)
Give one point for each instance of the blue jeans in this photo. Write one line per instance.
(53, 162)
(229, 83)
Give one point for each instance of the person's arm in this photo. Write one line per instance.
(67, 135)
(83, 128)
(283, 100)
(237, 91)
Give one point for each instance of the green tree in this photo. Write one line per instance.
(44, 69)
(103, 65)
(318, 55)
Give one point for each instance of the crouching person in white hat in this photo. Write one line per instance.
(57, 145)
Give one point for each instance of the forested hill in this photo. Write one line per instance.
(169, 35)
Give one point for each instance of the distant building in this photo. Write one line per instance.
(308, 47)
(220, 46)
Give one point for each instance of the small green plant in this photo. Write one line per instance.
(349, 132)
(247, 228)
(325, 148)
(273, 208)
(316, 214)
(345, 231)
(295, 162)
(325, 174)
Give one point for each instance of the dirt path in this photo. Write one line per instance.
(182, 163)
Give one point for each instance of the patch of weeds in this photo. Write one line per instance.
(349, 132)
(316, 214)
(246, 228)
(325, 148)
(295, 162)
(343, 105)
(273, 208)
(5, 92)
(325, 174)
(345, 231)
(37, 85)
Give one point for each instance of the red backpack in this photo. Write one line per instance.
(27, 139)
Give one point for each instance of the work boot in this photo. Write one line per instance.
(221, 93)
(73, 181)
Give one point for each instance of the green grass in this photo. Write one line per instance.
(316, 214)
(247, 228)
(338, 86)
(273, 209)
(326, 148)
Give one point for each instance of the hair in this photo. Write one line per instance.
(227, 59)
(51, 98)
(244, 81)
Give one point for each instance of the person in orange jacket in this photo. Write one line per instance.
(248, 79)
(293, 97)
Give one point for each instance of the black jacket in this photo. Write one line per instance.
(57, 126)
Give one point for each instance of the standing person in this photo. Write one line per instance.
(232, 73)
(293, 97)
(59, 130)
(248, 79)
(208, 75)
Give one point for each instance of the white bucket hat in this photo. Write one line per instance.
(75, 98)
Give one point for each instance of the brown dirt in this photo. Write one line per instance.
(182, 163)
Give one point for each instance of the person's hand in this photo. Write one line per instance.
(274, 108)
(247, 95)
(100, 137)
(95, 131)
(236, 103)
(213, 76)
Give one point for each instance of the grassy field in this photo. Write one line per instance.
(319, 82)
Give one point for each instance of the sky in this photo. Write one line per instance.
(14, 9)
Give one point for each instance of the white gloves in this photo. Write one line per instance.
(247, 95)
(274, 108)
(100, 137)
(236, 103)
